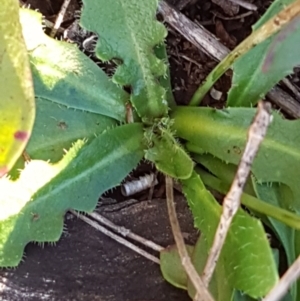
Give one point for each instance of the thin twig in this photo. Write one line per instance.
(197, 35)
(244, 4)
(116, 237)
(292, 88)
(60, 17)
(190, 60)
(183, 3)
(281, 288)
(285, 101)
(231, 204)
(184, 256)
(126, 232)
(237, 17)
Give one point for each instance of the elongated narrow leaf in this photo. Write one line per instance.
(262, 208)
(256, 72)
(223, 134)
(63, 74)
(128, 31)
(33, 207)
(246, 262)
(280, 196)
(224, 171)
(16, 89)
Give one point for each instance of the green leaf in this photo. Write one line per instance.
(238, 296)
(256, 72)
(57, 127)
(279, 195)
(224, 171)
(261, 208)
(246, 251)
(16, 89)
(219, 285)
(223, 134)
(33, 207)
(171, 267)
(274, 8)
(169, 157)
(63, 74)
(129, 31)
(165, 80)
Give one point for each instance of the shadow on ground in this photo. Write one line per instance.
(87, 265)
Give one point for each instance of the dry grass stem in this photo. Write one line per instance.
(244, 4)
(126, 232)
(202, 292)
(116, 237)
(281, 288)
(59, 17)
(231, 204)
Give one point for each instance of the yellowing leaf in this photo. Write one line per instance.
(16, 89)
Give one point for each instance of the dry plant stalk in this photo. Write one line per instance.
(126, 232)
(231, 204)
(202, 292)
(244, 4)
(116, 237)
(59, 18)
(281, 288)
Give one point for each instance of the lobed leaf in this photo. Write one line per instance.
(256, 72)
(63, 74)
(246, 262)
(272, 210)
(33, 207)
(128, 31)
(16, 89)
(223, 134)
